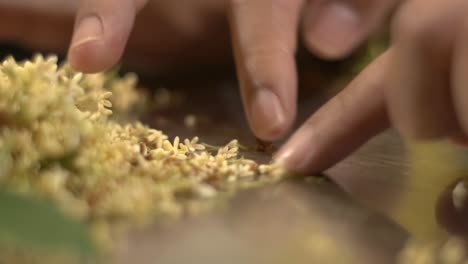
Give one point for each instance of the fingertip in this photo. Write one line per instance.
(297, 154)
(332, 30)
(324, 51)
(88, 33)
(268, 118)
(269, 90)
(101, 33)
(264, 40)
(340, 126)
(270, 134)
(91, 57)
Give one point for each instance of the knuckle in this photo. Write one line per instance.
(259, 63)
(262, 55)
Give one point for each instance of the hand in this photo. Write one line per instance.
(167, 37)
(264, 39)
(166, 32)
(264, 34)
(419, 86)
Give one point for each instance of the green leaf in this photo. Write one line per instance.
(35, 224)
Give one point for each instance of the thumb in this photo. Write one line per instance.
(334, 28)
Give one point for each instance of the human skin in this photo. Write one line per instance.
(418, 86)
(263, 34)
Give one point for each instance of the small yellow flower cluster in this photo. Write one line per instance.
(452, 251)
(58, 138)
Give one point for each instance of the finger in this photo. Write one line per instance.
(264, 39)
(419, 98)
(334, 28)
(101, 31)
(460, 76)
(342, 125)
(450, 217)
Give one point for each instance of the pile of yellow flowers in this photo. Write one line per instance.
(65, 136)
(58, 139)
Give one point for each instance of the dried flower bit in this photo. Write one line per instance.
(136, 148)
(105, 112)
(233, 143)
(205, 191)
(232, 178)
(176, 142)
(154, 135)
(263, 169)
(106, 95)
(222, 151)
(143, 149)
(106, 103)
(180, 156)
(198, 147)
(192, 145)
(157, 154)
(183, 148)
(230, 151)
(76, 78)
(233, 150)
(9, 62)
(159, 142)
(190, 121)
(275, 170)
(264, 146)
(166, 145)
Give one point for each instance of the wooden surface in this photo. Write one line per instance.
(370, 211)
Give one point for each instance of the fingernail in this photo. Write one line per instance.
(460, 196)
(267, 114)
(334, 30)
(296, 155)
(89, 29)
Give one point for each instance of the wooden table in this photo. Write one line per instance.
(366, 217)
